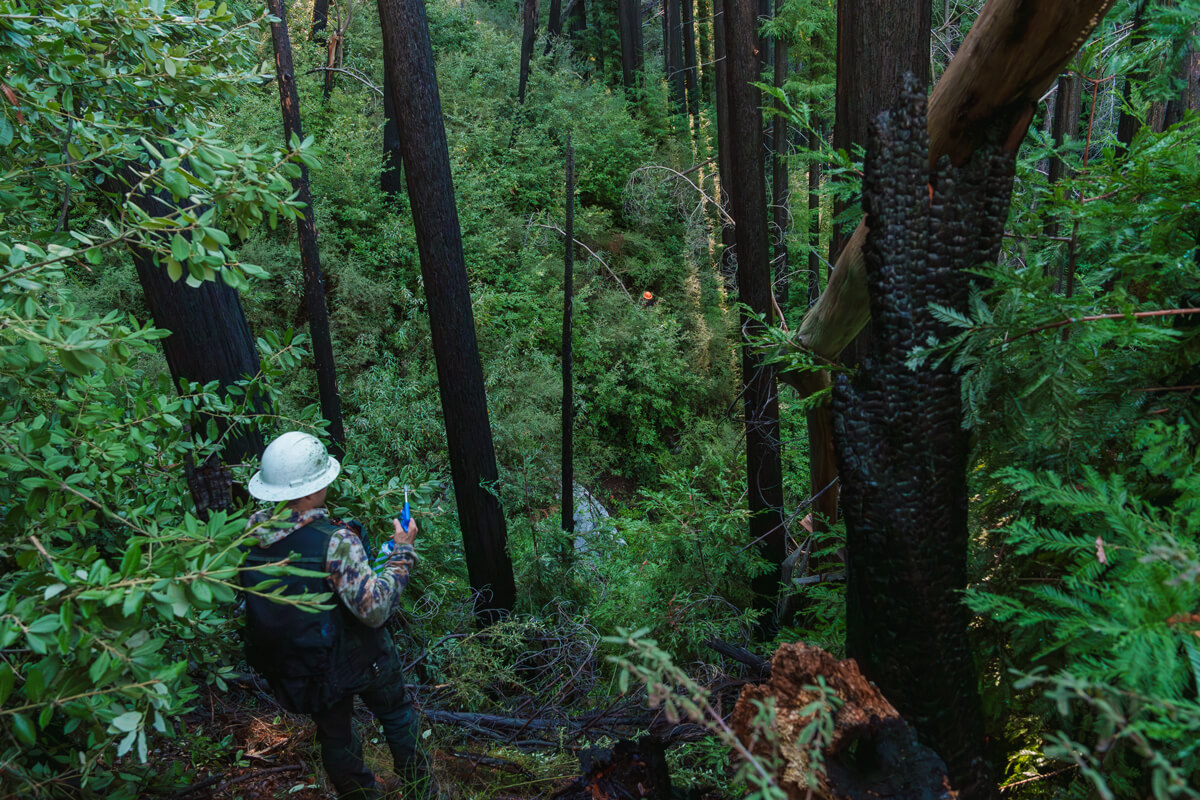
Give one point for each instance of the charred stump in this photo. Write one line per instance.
(902, 450)
(630, 770)
(872, 752)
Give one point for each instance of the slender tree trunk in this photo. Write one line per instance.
(408, 57)
(629, 26)
(1189, 95)
(578, 19)
(689, 61)
(1129, 123)
(704, 29)
(814, 216)
(674, 42)
(310, 260)
(320, 20)
(728, 242)
(391, 180)
(553, 25)
(764, 468)
(1065, 122)
(568, 403)
(779, 177)
(529, 17)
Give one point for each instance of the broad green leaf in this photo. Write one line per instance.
(128, 721)
(24, 730)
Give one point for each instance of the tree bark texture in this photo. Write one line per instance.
(1065, 122)
(629, 25)
(902, 450)
(210, 338)
(780, 196)
(408, 57)
(727, 266)
(872, 753)
(704, 28)
(1005, 64)
(553, 25)
(529, 17)
(568, 401)
(691, 70)
(674, 43)
(320, 20)
(306, 232)
(764, 468)
(391, 179)
(1189, 95)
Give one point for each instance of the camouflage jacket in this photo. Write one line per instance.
(370, 597)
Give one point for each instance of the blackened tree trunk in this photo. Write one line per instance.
(391, 180)
(1064, 123)
(704, 28)
(210, 339)
(408, 57)
(529, 16)
(728, 241)
(629, 25)
(577, 14)
(690, 67)
(320, 20)
(901, 445)
(814, 213)
(568, 402)
(779, 177)
(310, 261)
(764, 468)
(553, 25)
(1129, 123)
(674, 51)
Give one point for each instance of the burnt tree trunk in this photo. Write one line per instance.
(629, 25)
(568, 400)
(306, 231)
(902, 449)
(764, 468)
(210, 339)
(553, 25)
(391, 180)
(727, 266)
(320, 20)
(529, 16)
(578, 20)
(780, 198)
(672, 28)
(691, 70)
(408, 57)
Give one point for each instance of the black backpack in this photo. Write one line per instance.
(311, 660)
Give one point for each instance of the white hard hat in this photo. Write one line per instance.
(293, 466)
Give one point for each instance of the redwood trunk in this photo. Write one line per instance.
(780, 198)
(728, 243)
(529, 31)
(553, 25)
(689, 60)
(629, 25)
(408, 57)
(764, 469)
(310, 260)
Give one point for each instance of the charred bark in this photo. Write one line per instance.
(391, 179)
(780, 197)
(320, 20)
(764, 469)
(529, 16)
(676, 82)
(728, 265)
(690, 68)
(408, 57)
(553, 25)
(310, 260)
(629, 25)
(902, 450)
(568, 400)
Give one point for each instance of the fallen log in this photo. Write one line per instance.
(868, 752)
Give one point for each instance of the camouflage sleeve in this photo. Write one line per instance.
(369, 597)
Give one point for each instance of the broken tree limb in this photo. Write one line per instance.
(1015, 49)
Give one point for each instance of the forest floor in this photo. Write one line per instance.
(240, 745)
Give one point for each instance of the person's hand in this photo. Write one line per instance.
(402, 536)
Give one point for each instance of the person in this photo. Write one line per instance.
(316, 663)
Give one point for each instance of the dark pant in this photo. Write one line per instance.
(341, 749)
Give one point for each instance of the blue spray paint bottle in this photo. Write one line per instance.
(385, 552)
